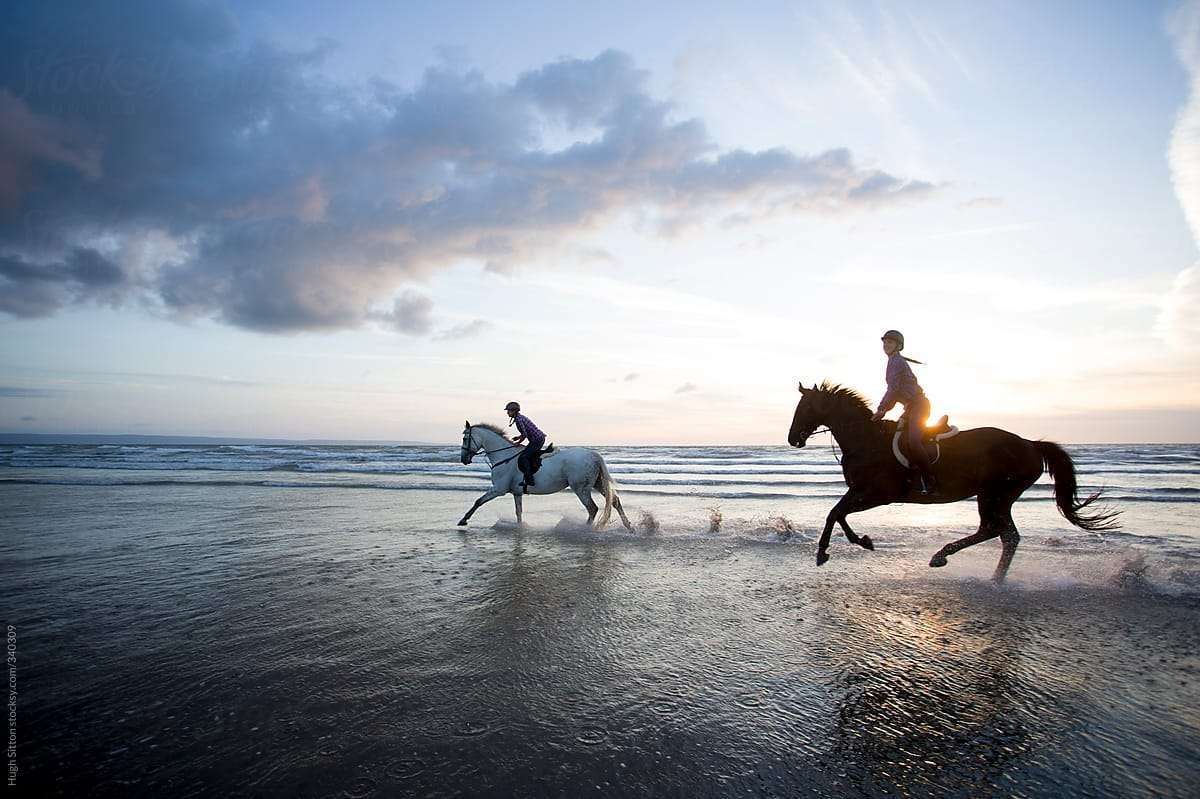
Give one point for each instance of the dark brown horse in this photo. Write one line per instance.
(993, 465)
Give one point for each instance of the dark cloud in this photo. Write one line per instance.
(411, 313)
(174, 162)
(686, 388)
(629, 378)
(39, 289)
(28, 418)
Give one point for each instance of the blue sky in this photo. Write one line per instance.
(280, 219)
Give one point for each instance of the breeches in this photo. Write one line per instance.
(529, 460)
(917, 414)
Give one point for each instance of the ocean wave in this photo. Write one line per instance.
(467, 481)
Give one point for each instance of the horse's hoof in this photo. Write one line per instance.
(866, 543)
(822, 557)
(463, 523)
(937, 561)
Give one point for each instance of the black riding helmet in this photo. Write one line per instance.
(896, 336)
(513, 406)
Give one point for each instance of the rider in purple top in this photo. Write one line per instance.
(529, 460)
(902, 387)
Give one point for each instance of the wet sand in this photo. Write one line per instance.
(242, 641)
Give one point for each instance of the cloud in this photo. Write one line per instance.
(28, 139)
(686, 388)
(464, 330)
(411, 313)
(981, 202)
(38, 289)
(282, 200)
(1184, 152)
(1178, 321)
(28, 418)
(629, 378)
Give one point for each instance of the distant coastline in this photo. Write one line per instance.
(74, 438)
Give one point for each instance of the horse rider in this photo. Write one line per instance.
(529, 460)
(902, 387)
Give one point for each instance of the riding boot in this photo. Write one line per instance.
(526, 479)
(928, 482)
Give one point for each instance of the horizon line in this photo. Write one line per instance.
(7, 437)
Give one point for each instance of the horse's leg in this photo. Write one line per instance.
(1009, 538)
(488, 497)
(585, 496)
(849, 503)
(620, 510)
(517, 502)
(863, 541)
(985, 532)
(990, 526)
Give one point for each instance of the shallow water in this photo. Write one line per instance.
(192, 639)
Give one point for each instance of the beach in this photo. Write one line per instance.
(309, 621)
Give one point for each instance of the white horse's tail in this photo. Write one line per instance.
(607, 486)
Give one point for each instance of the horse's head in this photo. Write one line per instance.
(470, 448)
(837, 407)
(810, 414)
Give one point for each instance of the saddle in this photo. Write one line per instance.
(940, 431)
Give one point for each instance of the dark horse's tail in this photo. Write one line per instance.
(1066, 491)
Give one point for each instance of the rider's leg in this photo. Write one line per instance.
(523, 465)
(917, 415)
(531, 455)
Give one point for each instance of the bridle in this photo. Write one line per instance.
(468, 437)
(832, 441)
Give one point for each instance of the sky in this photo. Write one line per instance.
(644, 222)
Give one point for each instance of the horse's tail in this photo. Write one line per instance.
(607, 486)
(1066, 491)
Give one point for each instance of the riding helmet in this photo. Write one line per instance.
(896, 336)
(513, 406)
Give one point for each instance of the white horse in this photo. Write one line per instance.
(576, 468)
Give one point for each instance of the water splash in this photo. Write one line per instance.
(782, 525)
(714, 519)
(648, 524)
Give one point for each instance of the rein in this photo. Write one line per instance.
(506, 460)
(832, 443)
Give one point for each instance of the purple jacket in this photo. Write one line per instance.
(902, 384)
(527, 428)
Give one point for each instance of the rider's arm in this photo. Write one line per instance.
(892, 394)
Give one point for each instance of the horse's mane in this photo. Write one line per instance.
(845, 393)
(491, 427)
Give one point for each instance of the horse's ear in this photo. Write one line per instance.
(803, 390)
(467, 424)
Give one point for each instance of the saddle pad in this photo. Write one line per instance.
(937, 448)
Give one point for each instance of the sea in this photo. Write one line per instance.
(308, 620)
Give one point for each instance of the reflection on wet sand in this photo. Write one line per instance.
(928, 702)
